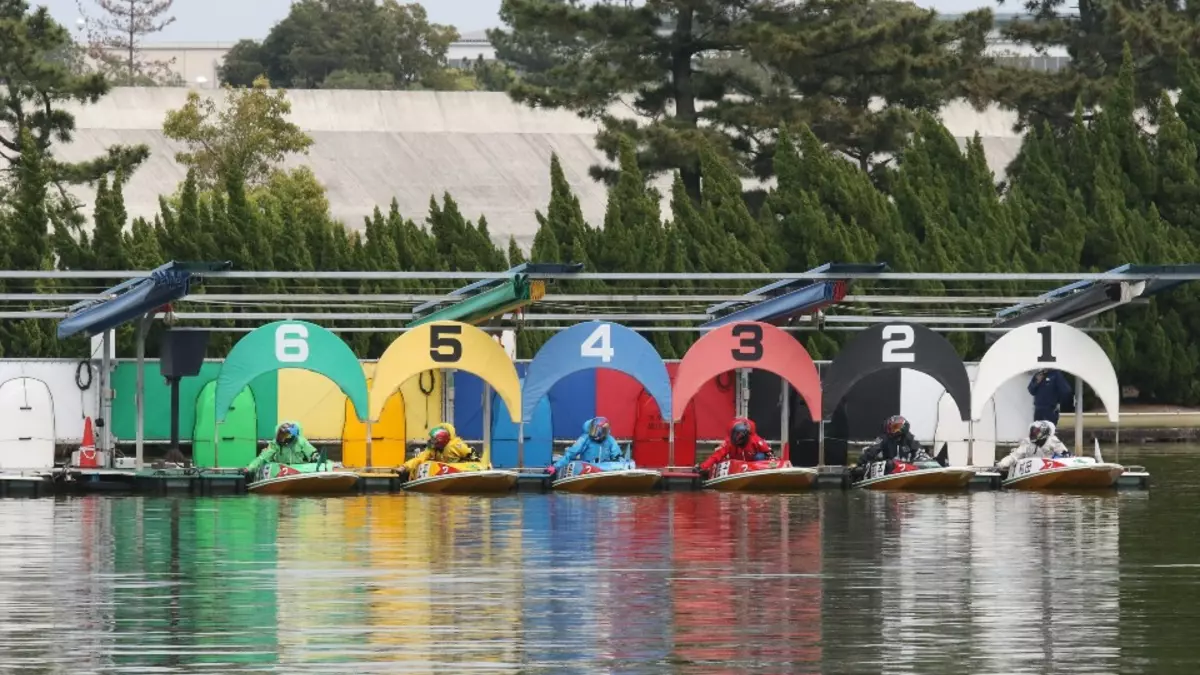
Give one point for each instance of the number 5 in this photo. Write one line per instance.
(291, 343)
(896, 338)
(598, 344)
(440, 336)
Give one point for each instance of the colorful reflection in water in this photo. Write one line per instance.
(679, 582)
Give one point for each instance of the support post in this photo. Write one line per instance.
(785, 419)
(743, 392)
(174, 419)
(140, 395)
(821, 443)
(369, 463)
(521, 444)
(106, 396)
(971, 444)
(448, 398)
(487, 424)
(671, 441)
(1078, 415)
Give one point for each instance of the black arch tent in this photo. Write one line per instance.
(893, 346)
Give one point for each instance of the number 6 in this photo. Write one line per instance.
(291, 343)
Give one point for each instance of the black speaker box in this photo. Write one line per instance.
(183, 353)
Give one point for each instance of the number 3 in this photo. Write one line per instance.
(896, 338)
(439, 336)
(599, 344)
(291, 343)
(750, 337)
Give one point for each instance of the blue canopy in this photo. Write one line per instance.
(596, 344)
(783, 300)
(132, 299)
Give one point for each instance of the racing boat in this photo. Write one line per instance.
(621, 477)
(462, 478)
(765, 475)
(319, 478)
(918, 476)
(1063, 473)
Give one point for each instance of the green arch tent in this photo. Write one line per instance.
(237, 436)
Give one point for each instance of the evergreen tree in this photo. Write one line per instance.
(1159, 33)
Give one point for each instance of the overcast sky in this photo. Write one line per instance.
(231, 20)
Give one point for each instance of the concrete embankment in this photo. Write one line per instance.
(490, 154)
(1159, 426)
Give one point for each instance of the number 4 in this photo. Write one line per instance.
(598, 344)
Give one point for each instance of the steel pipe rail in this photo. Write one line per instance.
(623, 276)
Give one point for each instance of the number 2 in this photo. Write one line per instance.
(1047, 355)
(750, 336)
(440, 336)
(896, 338)
(598, 344)
(291, 343)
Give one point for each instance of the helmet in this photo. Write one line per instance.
(287, 432)
(1039, 432)
(599, 429)
(740, 434)
(896, 426)
(439, 437)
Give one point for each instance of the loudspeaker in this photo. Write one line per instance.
(183, 353)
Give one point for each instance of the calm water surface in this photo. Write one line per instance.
(686, 582)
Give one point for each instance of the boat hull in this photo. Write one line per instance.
(760, 476)
(621, 481)
(1092, 476)
(317, 483)
(941, 478)
(467, 478)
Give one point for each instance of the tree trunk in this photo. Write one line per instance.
(685, 96)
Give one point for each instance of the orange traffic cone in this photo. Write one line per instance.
(87, 450)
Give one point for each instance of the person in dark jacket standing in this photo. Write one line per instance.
(1050, 390)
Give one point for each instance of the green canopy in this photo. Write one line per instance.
(291, 344)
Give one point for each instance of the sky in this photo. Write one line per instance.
(232, 20)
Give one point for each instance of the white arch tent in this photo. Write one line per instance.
(1046, 344)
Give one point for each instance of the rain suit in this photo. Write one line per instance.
(456, 450)
(298, 451)
(749, 452)
(1048, 395)
(1051, 448)
(587, 450)
(906, 449)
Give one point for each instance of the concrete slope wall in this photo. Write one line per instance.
(489, 153)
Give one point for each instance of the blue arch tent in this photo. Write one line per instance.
(591, 345)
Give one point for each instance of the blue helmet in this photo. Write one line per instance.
(599, 429)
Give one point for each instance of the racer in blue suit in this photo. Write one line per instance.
(594, 446)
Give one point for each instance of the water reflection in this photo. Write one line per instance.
(697, 583)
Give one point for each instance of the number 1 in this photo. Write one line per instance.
(599, 344)
(1047, 351)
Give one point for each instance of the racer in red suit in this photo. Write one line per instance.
(743, 444)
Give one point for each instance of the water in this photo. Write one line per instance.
(686, 582)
